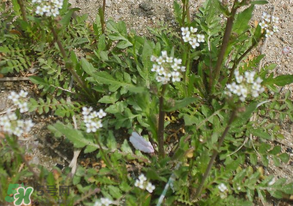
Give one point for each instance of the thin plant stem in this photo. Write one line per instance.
(80, 82)
(108, 162)
(22, 9)
(185, 12)
(187, 66)
(102, 16)
(161, 123)
(215, 154)
(225, 42)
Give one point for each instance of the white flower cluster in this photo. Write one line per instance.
(222, 187)
(267, 24)
(103, 202)
(142, 183)
(189, 35)
(167, 68)
(246, 85)
(48, 7)
(9, 123)
(92, 119)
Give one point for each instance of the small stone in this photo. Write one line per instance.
(286, 50)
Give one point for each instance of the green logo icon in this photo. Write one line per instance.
(21, 195)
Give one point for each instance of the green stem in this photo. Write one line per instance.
(22, 9)
(103, 17)
(187, 68)
(107, 160)
(80, 82)
(161, 123)
(185, 12)
(215, 154)
(225, 42)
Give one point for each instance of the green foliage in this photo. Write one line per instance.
(81, 65)
(61, 107)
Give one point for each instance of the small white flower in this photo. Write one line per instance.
(18, 131)
(160, 60)
(98, 203)
(23, 94)
(275, 29)
(23, 107)
(269, 33)
(155, 68)
(28, 125)
(275, 19)
(86, 111)
(101, 114)
(153, 58)
(175, 77)
(106, 201)
(139, 184)
(184, 31)
(12, 116)
(164, 54)
(186, 38)
(13, 96)
(177, 61)
(222, 187)
(266, 17)
(150, 188)
(263, 24)
(193, 30)
(249, 76)
(169, 59)
(87, 119)
(194, 43)
(142, 178)
(200, 38)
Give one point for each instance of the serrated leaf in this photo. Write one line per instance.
(124, 44)
(242, 19)
(108, 99)
(261, 2)
(253, 158)
(276, 150)
(276, 161)
(87, 67)
(111, 141)
(178, 104)
(90, 149)
(288, 189)
(284, 157)
(281, 80)
(126, 148)
(102, 43)
(105, 78)
(114, 191)
(75, 136)
(260, 133)
(289, 104)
